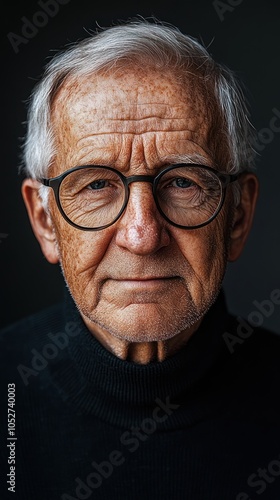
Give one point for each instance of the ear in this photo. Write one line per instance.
(40, 220)
(243, 215)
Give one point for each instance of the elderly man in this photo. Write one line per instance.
(139, 183)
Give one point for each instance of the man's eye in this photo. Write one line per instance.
(99, 184)
(181, 182)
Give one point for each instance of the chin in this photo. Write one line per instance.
(142, 326)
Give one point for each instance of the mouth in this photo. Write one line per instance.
(147, 278)
(138, 290)
(146, 282)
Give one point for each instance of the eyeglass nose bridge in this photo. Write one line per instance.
(139, 178)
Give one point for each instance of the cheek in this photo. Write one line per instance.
(80, 251)
(205, 250)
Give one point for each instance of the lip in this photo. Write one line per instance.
(147, 278)
(151, 283)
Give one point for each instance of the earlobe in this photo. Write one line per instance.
(243, 215)
(40, 220)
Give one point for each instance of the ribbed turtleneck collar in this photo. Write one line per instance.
(94, 381)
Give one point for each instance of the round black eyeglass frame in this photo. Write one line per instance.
(55, 183)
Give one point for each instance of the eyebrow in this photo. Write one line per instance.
(187, 158)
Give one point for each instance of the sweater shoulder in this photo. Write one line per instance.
(242, 333)
(252, 351)
(29, 332)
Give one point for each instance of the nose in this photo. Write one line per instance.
(141, 229)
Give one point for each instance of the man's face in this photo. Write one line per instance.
(140, 279)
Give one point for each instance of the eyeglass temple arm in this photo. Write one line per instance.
(228, 178)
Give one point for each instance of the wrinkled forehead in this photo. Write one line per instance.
(138, 102)
(126, 91)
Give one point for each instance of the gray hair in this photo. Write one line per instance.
(131, 44)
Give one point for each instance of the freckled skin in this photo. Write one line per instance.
(138, 125)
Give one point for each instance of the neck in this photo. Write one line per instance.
(140, 352)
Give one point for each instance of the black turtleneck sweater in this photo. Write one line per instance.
(202, 425)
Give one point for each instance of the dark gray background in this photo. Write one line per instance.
(247, 40)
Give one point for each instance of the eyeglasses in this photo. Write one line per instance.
(92, 197)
